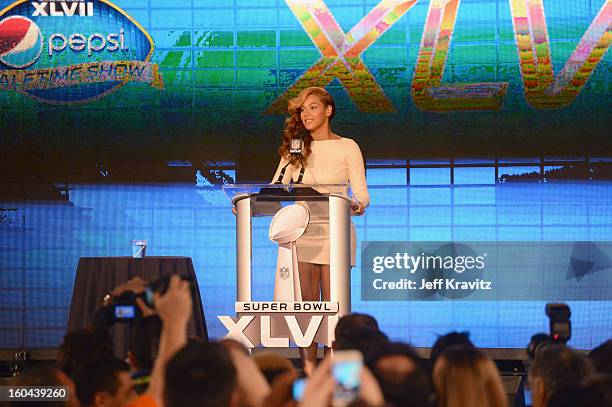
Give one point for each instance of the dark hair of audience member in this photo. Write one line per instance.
(602, 385)
(80, 346)
(144, 341)
(446, 341)
(103, 378)
(200, 375)
(464, 376)
(401, 376)
(572, 397)
(364, 339)
(556, 368)
(354, 321)
(45, 376)
(601, 358)
(594, 392)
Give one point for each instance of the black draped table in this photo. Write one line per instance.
(98, 276)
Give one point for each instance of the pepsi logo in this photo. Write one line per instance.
(21, 42)
(76, 57)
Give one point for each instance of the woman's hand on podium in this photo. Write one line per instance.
(357, 209)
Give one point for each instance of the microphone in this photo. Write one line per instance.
(296, 148)
(282, 174)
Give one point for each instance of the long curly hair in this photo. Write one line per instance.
(294, 128)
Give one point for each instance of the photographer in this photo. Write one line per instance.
(94, 341)
(128, 294)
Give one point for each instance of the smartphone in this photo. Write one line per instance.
(297, 390)
(346, 368)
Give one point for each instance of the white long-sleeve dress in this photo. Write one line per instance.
(335, 161)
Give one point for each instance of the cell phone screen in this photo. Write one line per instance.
(298, 389)
(347, 373)
(124, 311)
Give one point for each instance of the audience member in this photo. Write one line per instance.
(402, 378)
(144, 342)
(80, 346)
(602, 385)
(464, 376)
(353, 321)
(103, 316)
(201, 375)
(594, 392)
(362, 338)
(601, 358)
(446, 341)
(104, 382)
(358, 331)
(573, 397)
(556, 368)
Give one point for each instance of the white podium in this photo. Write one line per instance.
(325, 202)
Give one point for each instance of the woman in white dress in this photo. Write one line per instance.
(327, 158)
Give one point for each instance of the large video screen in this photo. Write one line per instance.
(210, 80)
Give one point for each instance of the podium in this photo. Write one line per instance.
(327, 203)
